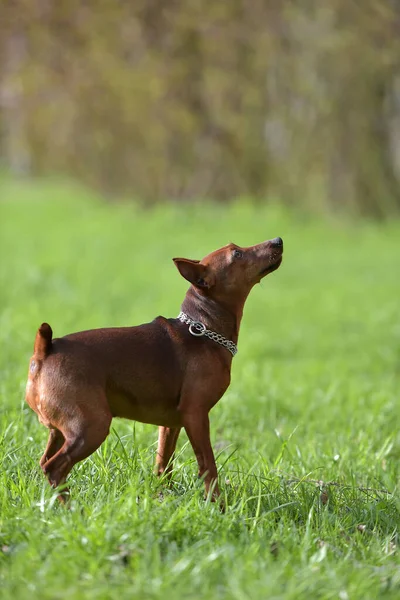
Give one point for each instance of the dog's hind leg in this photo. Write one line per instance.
(54, 443)
(80, 442)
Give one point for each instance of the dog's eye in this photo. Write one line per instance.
(237, 254)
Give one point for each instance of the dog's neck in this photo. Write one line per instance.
(215, 315)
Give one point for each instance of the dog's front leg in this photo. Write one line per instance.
(197, 427)
(167, 438)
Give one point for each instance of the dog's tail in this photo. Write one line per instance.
(43, 341)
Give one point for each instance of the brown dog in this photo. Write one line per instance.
(169, 372)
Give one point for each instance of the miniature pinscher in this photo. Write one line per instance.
(169, 372)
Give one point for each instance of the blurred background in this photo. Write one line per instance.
(296, 101)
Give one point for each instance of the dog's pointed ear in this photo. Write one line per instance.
(194, 272)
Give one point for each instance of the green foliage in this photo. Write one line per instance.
(314, 396)
(194, 99)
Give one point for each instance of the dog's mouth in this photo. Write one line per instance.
(272, 266)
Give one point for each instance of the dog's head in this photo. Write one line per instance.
(232, 271)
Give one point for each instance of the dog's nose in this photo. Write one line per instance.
(277, 242)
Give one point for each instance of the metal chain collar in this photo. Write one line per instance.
(198, 329)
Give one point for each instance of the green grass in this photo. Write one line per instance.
(314, 396)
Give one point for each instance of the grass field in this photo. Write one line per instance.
(314, 397)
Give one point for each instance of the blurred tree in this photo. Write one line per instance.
(187, 99)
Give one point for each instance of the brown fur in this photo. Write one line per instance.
(154, 373)
(43, 339)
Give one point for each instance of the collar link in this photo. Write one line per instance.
(198, 329)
